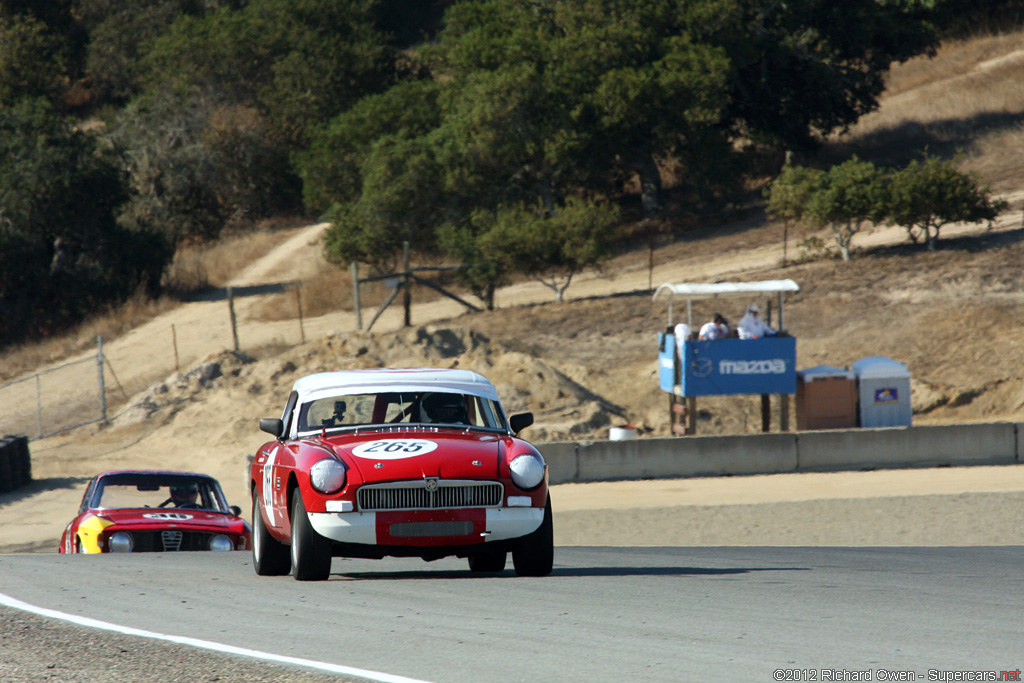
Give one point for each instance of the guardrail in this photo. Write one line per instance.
(15, 463)
(1000, 443)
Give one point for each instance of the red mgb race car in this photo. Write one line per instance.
(410, 463)
(139, 511)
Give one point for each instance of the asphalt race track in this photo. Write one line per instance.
(605, 614)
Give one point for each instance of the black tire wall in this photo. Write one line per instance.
(15, 463)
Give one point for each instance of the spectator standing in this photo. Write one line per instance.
(752, 326)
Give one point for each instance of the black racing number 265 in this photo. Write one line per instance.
(393, 446)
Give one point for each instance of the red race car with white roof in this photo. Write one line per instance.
(154, 511)
(398, 462)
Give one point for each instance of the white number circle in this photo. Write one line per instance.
(393, 449)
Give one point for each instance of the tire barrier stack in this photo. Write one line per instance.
(15, 463)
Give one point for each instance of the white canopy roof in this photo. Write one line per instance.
(711, 290)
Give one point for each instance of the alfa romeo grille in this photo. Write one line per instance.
(429, 494)
(171, 540)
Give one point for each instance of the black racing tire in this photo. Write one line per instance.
(490, 561)
(311, 552)
(534, 555)
(269, 556)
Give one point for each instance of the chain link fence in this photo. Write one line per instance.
(55, 400)
(76, 393)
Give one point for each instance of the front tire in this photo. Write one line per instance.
(311, 552)
(269, 556)
(491, 561)
(534, 555)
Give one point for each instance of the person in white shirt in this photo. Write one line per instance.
(718, 328)
(752, 326)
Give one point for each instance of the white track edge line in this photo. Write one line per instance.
(205, 644)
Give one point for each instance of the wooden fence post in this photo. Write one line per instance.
(355, 295)
(103, 386)
(298, 302)
(234, 322)
(406, 284)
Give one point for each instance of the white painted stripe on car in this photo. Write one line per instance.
(205, 644)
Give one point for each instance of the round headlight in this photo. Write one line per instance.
(527, 471)
(221, 542)
(327, 475)
(120, 542)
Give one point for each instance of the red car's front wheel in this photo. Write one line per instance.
(269, 556)
(534, 555)
(311, 552)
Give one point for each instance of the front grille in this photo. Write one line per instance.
(169, 540)
(414, 495)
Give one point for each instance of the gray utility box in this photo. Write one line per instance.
(826, 398)
(883, 392)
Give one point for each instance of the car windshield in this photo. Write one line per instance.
(155, 490)
(392, 408)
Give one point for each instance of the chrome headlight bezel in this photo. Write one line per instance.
(221, 543)
(328, 475)
(120, 542)
(527, 471)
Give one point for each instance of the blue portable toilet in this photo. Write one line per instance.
(883, 392)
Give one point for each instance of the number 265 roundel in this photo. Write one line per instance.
(394, 449)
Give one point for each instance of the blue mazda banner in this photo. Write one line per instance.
(729, 366)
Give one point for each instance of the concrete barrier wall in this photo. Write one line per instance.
(846, 449)
(981, 444)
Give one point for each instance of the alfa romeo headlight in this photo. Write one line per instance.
(120, 542)
(527, 471)
(327, 475)
(221, 542)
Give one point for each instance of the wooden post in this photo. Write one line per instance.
(766, 413)
(103, 386)
(39, 407)
(234, 321)
(406, 285)
(174, 341)
(691, 415)
(355, 295)
(298, 303)
(784, 412)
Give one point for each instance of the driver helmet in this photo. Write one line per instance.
(444, 408)
(186, 494)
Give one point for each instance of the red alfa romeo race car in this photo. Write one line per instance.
(153, 511)
(409, 463)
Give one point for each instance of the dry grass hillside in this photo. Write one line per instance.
(954, 316)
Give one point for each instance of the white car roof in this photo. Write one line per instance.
(377, 380)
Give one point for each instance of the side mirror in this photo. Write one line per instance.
(235, 510)
(272, 425)
(520, 421)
